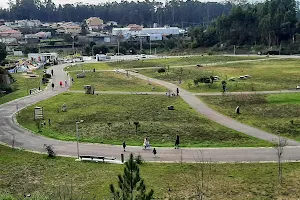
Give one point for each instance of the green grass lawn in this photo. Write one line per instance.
(163, 62)
(111, 81)
(25, 173)
(272, 113)
(90, 66)
(266, 75)
(156, 121)
(22, 87)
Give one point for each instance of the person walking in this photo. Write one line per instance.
(124, 146)
(66, 83)
(154, 152)
(177, 91)
(52, 86)
(60, 83)
(52, 72)
(177, 142)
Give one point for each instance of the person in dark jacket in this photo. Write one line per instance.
(124, 145)
(154, 152)
(177, 142)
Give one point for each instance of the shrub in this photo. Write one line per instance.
(138, 159)
(45, 80)
(50, 151)
(7, 88)
(161, 70)
(210, 53)
(47, 76)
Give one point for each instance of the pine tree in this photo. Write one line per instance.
(131, 185)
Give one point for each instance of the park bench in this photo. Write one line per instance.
(96, 157)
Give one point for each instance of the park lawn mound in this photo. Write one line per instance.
(24, 173)
(264, 75)
(88, 67)
(277, 113)
(178, 61)
(22, 85)
(114, 118)
(112, 81)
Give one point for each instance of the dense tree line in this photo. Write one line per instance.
(269, 23)
(174, 12)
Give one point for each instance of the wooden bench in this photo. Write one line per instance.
(97, 157)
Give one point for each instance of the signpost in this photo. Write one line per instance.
(38, 113)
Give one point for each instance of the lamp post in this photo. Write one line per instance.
(73, 45)
(77, 136)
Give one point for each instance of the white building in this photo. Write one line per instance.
(154, 33)
(112, 23)
(43, 57)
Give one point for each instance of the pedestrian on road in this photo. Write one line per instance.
(52, 72)
(177, 91)
(124, 146)
(66, 83)
(177, 142)
(52, 86)
(154, 152)
(60, 83)
(237, 110)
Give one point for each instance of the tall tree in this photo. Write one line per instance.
(3, 52)
(131, 185)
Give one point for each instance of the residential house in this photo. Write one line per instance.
(69, 28)
(10, 34)
(98, 38)
(28, 23)
(32, 39)
(94, 23)
(111, 23)
(134, 30)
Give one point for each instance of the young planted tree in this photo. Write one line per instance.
(131, 185)
(279, 146)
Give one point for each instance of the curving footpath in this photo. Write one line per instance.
(25, 139)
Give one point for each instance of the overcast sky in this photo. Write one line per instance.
(3, 3)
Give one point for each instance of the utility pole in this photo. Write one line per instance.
(150, 44)
(141, 44)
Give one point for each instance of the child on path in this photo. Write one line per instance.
(66, 83)
(60, 83)
(124, 145)
(154, 152)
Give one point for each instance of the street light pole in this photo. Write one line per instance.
(150, 45)
(77, 136)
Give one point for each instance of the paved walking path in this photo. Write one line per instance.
(29, 141)
(213, 115)
(120, 92)
(195, 94)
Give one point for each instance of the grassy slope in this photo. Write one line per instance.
(272, 113)
(266, 75)
(194, 60)
(22, 85)
(90, 66)
(151, 111)
(111, 81)
(26, 173)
